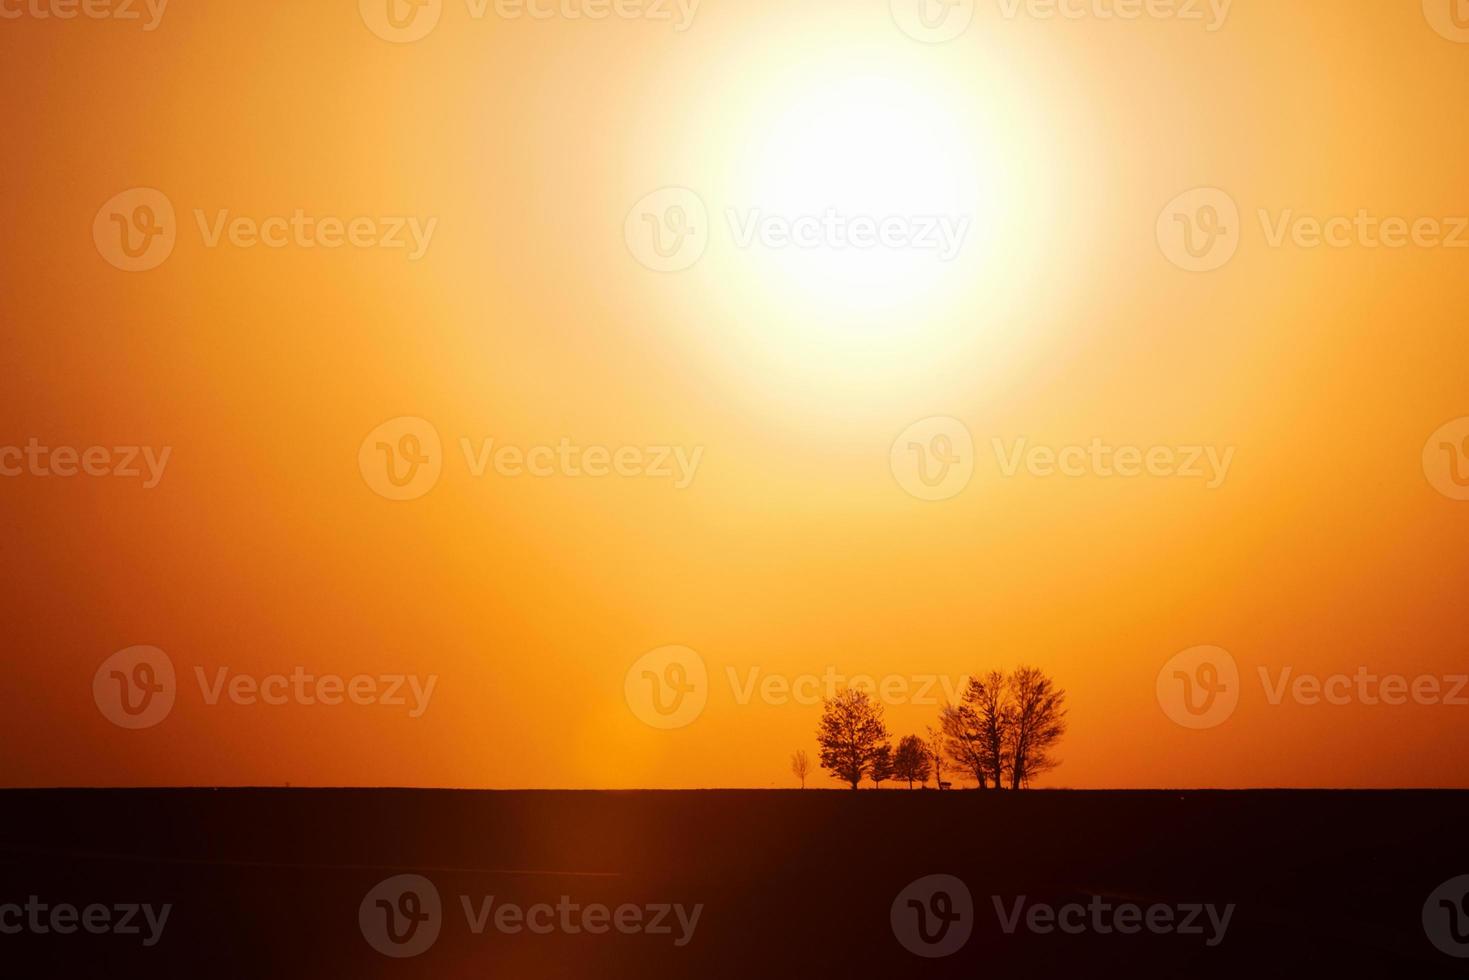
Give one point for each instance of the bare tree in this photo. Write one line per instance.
(935, 746)
(850, 734)
(1039, 713)
(911, 760)
(800, 766)
(993, 716)
(880, 767)
(960, 728)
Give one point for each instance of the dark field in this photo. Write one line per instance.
(268, 883)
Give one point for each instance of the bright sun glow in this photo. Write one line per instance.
(862, 193)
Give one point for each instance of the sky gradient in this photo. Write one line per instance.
(763, 399)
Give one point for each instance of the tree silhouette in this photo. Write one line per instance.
(881, 765)
(850, 734)
(911, 760)
(935, 746)
(800, 766)
(961, 737)
(1004, 729)
(980, 728)
(1039, 721)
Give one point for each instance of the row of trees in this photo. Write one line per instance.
(1002, 733)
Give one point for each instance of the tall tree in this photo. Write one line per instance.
(960, 728)
(1039, 709)
(987, 697)
(850, 733)
(800, 766)
(911, 761)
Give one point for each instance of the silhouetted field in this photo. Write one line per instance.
(270, 883)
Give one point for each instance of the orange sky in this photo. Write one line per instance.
(794, 547)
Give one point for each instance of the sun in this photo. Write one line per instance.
(863, 193)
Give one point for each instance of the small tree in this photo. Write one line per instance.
(935, 746)
(800, 766)
(850, 734)
(881, 765)
(911, 761)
